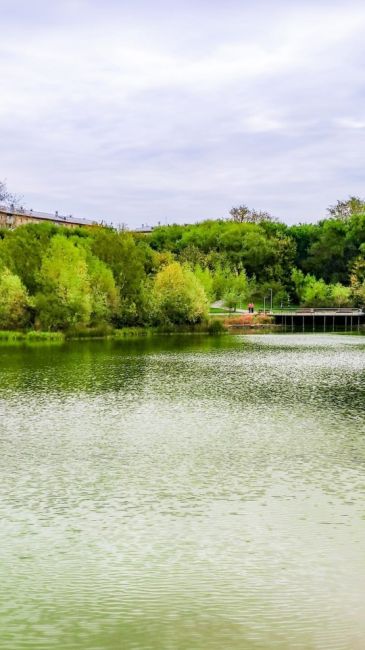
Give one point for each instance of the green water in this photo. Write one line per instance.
(183, 494)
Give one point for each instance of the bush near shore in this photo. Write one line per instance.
(248, 320)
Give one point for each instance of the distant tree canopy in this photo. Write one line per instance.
(57, 278)
(345, 209)
(243, 213)
(267, 251)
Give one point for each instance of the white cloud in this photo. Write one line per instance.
(351, 123)
(182, 115)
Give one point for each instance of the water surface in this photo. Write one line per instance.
(183, 494)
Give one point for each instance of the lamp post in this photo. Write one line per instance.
(270, 301)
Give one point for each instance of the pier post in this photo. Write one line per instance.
(358, 323)
(324, 323)
(345, 323)
(285, 323)
(292, 324)
(314, 327)
(351, 324)
(303, 323)
(333, 323)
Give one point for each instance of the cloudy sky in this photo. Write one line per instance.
(175, 110)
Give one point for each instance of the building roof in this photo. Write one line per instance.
(143, 229)
(46, 216)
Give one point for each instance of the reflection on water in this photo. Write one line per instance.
(183, 494)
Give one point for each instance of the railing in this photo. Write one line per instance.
(318, 311)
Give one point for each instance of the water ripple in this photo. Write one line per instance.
(189, 494)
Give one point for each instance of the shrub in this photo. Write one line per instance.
(178, 297)
(216, 327)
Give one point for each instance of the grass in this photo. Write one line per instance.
(44, 337)
(10, 336)
(212, 326)
(101, 331)
(209, 327)
(6, 335)
(126, 332)
(219, 310)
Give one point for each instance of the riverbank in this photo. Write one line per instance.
(213, 327)
(220, 324)
(216, 327)
(232, 323)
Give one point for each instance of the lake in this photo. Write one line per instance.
(183, 493)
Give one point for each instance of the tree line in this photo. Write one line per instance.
(54, 278)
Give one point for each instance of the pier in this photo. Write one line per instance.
(316, 319)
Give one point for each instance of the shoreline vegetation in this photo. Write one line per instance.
(220, 324)
(58, 283)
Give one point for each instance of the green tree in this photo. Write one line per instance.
(126, 260)
(66, 297)
(222, 275)
(22, 250)
(14, 301)
(341, 295)
(178, 296)
(316, 293)
(328, 256)
(303, 235)
(205, 277)
(345, 209)
(105, 299)
(236, 291)
(310, 291)
(357, 280)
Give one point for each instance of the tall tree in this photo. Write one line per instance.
(125, 259)
(65, 299)
(14, 301)
(243, 214)
(344, 209)
(22, 250)
(105, 299)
